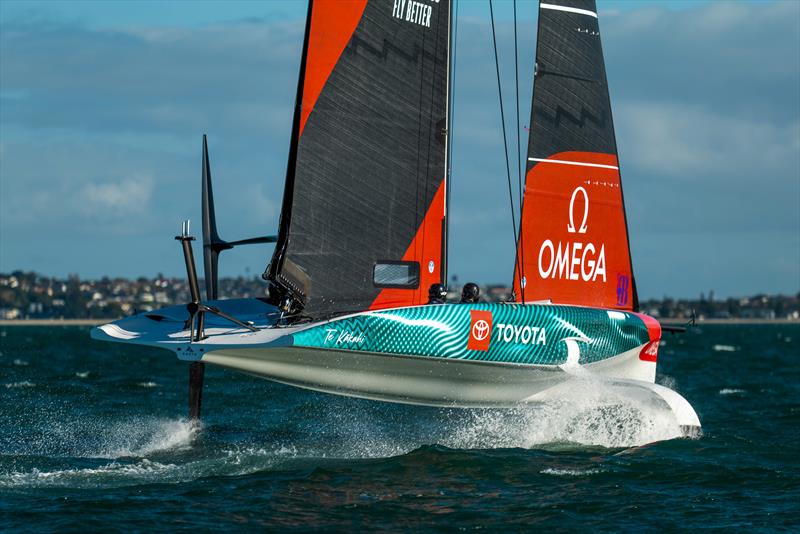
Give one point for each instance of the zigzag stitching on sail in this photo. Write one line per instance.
(383, 53)
(585, 116)
(541, 70)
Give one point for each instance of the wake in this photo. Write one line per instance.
(95, 452)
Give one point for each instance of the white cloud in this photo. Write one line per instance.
(685, 140)
(116, 199)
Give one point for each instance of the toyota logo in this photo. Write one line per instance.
(480, 330)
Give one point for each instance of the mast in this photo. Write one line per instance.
(274, 266)
(448, 142)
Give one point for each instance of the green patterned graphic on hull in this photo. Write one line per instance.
(509, 333)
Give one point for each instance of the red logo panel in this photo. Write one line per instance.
(574, 242)
(480, 330)
(649, 352)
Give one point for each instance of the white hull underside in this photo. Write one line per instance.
(443, 382)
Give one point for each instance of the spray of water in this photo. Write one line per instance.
(583, 413)
(147, 449)
(76, 437)
(127, 443)
(588, 413)
(113, 474)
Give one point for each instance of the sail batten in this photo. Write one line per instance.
(573, 245)
(370, 158)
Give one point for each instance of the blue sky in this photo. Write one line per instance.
(103, 104)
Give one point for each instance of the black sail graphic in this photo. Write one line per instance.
(363, 211)
(573, 245)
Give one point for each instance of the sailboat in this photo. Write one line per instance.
(363, 233)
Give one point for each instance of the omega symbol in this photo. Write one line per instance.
(480, 330)
(571, 225)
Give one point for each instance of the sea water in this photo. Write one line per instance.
(93, 436)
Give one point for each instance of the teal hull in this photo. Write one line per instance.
(534, 334)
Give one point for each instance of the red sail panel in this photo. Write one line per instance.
(332, 24)
(368, 156)
(574, 244)
(426, 249)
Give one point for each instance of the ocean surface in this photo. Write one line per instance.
(93, 436)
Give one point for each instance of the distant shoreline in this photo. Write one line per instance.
(667, 321)
(735, 320)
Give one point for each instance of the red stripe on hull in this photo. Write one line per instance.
(653, 326)
(649, 352)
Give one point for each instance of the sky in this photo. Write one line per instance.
(103, 105)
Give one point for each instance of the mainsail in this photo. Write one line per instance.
(573, 244)
(363, 213)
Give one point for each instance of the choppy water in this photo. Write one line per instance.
(92, 436)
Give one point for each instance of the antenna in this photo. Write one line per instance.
(213, 245)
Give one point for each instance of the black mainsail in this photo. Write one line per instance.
(573, 245)
(363, 212)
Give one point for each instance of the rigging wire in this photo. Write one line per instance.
(450, 129)
(503, 120)
(516, 96)
(521, 253)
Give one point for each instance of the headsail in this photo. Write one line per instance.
(573, 246)
(364, 205)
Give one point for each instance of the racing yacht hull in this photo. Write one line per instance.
(456, 355)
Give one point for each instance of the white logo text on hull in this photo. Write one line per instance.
(527, 335)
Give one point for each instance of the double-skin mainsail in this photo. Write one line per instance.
(363, 216)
